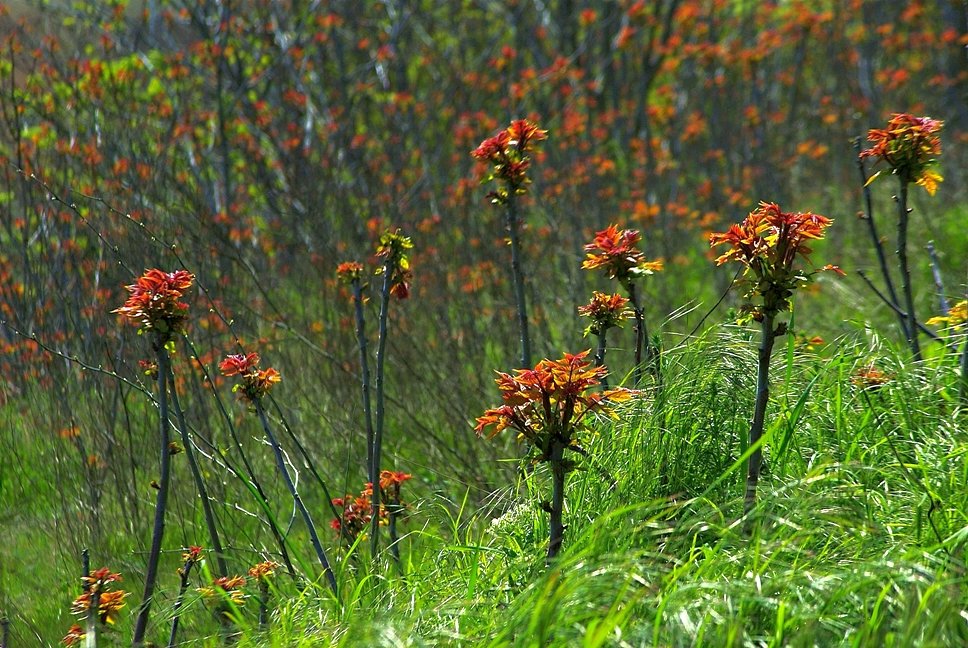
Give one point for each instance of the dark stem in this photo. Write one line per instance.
(4, 632)
(921, 327)
(557, 527)
(938, 281)
(90, 631)
(600, 356)
(380, 410)
(876, 239)
(902, 227)
(963, 389)
(393, 511)
(161, 502)
(643, 354)
(768, 336)
(281, 465)
(180, 601)
(263, 604)
(209, 514)
(512, 221)
(364, 371)
(252, 482)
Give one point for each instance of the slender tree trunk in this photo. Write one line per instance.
(210, 524)
(600, 357)
(768, 336)
(513, 222)
(183, 573)
(161, 502)
(90, 630)
(902, 227)
(876, 240)
(364, 372)
(281, 465)
(557, 527)
(643, 355)
(380, 410)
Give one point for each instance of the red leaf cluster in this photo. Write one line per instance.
(909, 146)
(616, 252)
(154, 303)
(255, 383)
(550, 401)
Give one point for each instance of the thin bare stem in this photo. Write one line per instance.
(380, 410)
(921, 327)
(938, 281)
(768, 336)
(600, 356)
(307, 518)
(558, 473)
(208, 513)
(902, 230)
(876, 239)
(364, 370)
(513, 222)
(183, 574)
(161, 502)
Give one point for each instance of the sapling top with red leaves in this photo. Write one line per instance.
(254, 383)
(617, 254)
(605, 312)
(508, 154)
(770, 244)
(155, 307)
(549, 406)
(909, 146)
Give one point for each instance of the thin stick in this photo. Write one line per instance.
(281, 465)
(768, 336)
(517, 276)
(921, 327)
(902, 228)
(936, 273)
(161, 502)
(876, 239)
(380, 411)
(207, 511)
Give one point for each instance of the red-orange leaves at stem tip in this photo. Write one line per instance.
(605, 312)
(255, 383)
(508, 154)
(550, 400)
(350, 271)
(154, 302)
(909, 145)
(393, 248)
(768, 243)
(616, 252)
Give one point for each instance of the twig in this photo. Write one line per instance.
(921, 327)
(936, 273)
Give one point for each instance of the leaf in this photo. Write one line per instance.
(873, 177)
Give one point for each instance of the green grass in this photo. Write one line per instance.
(846, 549)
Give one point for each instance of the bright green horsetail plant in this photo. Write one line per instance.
(253, 385)
(509, 155)
(549, 407)
(605, 312)
(393, 249)
(99, 604)
(616, 252)
(154, 306)
(909, 146)
(769, 244)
